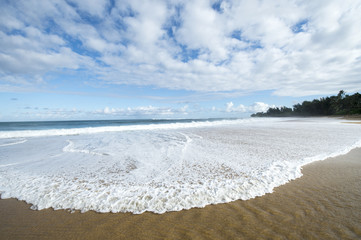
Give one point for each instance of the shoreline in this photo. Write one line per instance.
(322, 204)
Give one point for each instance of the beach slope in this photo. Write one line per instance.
(323, 204)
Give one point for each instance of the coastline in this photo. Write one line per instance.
(322, 204)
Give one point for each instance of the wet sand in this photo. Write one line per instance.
(324, 204)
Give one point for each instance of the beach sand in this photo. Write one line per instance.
(324, 204)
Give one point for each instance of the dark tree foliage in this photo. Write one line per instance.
(342, 104)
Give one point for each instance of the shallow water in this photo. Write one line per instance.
(323, 204)
(163, 167)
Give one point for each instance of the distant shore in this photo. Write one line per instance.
(341, 104)
(352, 117)
(348, 117)
(323, 204)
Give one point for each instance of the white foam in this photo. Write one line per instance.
(13, 142)
(139, 127)
(165, 169)
(70, 148)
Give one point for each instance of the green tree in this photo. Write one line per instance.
(342, 104)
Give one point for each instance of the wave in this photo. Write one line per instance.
(71, 149)
(20, 141)
(281, 172)
(91, 130)
(161, 171)
(322, 157)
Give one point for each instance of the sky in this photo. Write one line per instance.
(110, 59)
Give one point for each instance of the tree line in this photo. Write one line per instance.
(342, 104)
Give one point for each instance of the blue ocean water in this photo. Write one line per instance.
(47, 125)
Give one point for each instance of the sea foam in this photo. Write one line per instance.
(102, 129)
(164, 167)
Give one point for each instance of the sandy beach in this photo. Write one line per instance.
(323, 204)
(199, 120)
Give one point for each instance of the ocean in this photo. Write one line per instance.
(161, 165)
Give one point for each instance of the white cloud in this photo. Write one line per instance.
(229, 106)
(50, 113)
(293, 48)
(203, 28)
(256, 107)
(93, 7)
(143, 111)
(260, 107)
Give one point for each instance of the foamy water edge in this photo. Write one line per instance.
(212, 192)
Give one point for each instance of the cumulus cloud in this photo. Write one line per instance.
(231, 108)
(293, 48)
(260, 107)
(256, 107)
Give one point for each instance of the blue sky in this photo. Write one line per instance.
(109, 59)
